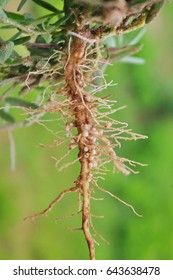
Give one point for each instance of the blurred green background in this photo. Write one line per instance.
(147, 90)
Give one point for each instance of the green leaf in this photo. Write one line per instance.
(47, 38)
(3, 2)
(46, 5)
(21, 40)
(5, 51)
(22, 3)
(138, 37)
(60, 21)
(15, 36)
(14, 16)
(22, 103)
(7, 117)
(3, 15)
(7, 27)
(45, 24)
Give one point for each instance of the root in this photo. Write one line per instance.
(68, 216)
(117, 198)
(96, 133)
(98, 234)
(52, 204)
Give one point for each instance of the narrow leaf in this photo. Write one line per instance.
(46, 5)
(15, 36)
(138, 37)
(7, 26)
(22, 103)
(7, 117)
(21, 40)
(45, 23)
(22, 3)
(48, 38)
(5, 51)
(14, 16)
(60, 21)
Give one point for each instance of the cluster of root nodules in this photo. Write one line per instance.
(88, 125)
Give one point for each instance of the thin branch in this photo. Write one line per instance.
(41, 45)
(26, 29)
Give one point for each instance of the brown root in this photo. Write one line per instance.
(97, 133)
(52, 204)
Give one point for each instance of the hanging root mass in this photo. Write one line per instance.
(84, 111)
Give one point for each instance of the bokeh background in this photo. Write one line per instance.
(147, 90)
